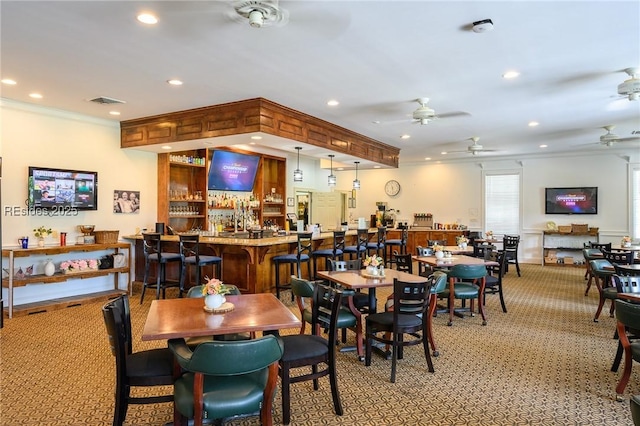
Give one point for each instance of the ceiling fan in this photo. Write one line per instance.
(424, 114)
(630, 87)
(475, 148)
(259, 13)
(610, 138)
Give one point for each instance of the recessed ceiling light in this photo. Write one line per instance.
(405, 136)
(376, 167)
(376, 121)
(35, 95)
(333, 102)
(166, 147)
(114, 112)
(8, 81)
(256, 137)
(174, 82)
(533, 123)
(252, 143)
(147, 18)
(510, 74)
(543, 146)
(427, 158)
(339, 168)
(444, 153)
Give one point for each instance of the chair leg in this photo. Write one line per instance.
(618, 358)
(121, 405)
(626, 373)
(425, 345)
(144, 280)
(504, 307)
(286, 393)
(394, 358)
(335, 393)
(430, 315)
(159, 278)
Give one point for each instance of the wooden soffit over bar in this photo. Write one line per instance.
(249, 116)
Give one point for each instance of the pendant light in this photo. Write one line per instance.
(356, 182)
(297, 173)
(332, 178)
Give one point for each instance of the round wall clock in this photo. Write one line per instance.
(392, 187)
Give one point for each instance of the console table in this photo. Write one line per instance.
(12, 281)
(572, 243)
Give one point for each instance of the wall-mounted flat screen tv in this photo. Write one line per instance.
(57, 188)
(578, 200)
(232, 171)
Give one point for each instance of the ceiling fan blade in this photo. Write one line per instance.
(452, 114)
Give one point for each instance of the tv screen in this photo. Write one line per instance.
(232, 171)
(579, 200)
(58, 188)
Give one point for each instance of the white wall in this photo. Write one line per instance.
(34, 136)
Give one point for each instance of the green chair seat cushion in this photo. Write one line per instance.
(462, 290)
(224, 396)
(610, 293)
(345, 317)
(303, 346)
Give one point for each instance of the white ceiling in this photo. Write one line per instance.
(375, 57)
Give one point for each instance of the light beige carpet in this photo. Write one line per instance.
(545, 362)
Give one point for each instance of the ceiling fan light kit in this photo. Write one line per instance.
(630, 87)
(260, 13)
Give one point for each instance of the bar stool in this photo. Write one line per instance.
(302, 254)
(360, 248)
(152, 247)
(399, 245)
(378, 246)
(334, 253)
(190, 251)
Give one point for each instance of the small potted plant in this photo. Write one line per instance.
(213, 292)
(438, 251)
(626, 241)
(373, 265)
(41, 233)
(462, 241)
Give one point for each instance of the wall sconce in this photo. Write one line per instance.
(297, 173)
(356, 182)
(332, 178)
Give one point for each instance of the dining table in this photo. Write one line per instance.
(186, 317)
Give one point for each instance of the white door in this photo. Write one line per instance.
(326, 209)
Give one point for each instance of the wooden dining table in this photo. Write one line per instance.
(186, 317)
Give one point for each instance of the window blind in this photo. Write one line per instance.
(502, 203)
(635, 202)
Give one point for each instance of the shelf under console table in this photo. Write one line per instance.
(11, 281)
(570, 243)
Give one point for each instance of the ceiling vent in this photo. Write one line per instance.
(106, 101)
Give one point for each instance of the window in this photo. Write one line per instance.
(635, 201)
(502, 202)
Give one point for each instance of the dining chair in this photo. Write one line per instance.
(357, 300)
(510, 245)
(628, 317)
(468, 283)
(602, 271)
(313, 350)
(494, 279)
(625, 284)
(590, 254)
(153, 249)
(302, 254)
(226, 379)
(424, 270)
(620, 257)
(147, 368)
(634, 404)
(404, 262)
(408, 316)
(483, 251)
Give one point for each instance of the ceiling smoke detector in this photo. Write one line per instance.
(482, 26)
(630, 87)
(260, 13)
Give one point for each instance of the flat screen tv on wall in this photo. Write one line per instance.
(232, 171)
(576, 200)
(53, 189)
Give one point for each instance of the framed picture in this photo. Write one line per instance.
(289, 201)
(125, 201)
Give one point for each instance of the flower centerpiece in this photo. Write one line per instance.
(438, 251)
(488, 235)
(626, 241)
(41, 233)
(373, 264)
(78, 265)
(462, 241)
(213, 292)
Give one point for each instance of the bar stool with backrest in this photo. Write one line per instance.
(378, 246)
(154, 254)
(510, 245)
(190, 251)
(360, 248)
(301, 254)
(399, 245)
(334, 253)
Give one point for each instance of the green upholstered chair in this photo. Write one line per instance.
(467, 283)
(634, 403)
(628, 317)
(625, 284)
(590, 254)
(602, 271)
(152, 367)
(408, 316)
(312, 350)
(225, 379)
